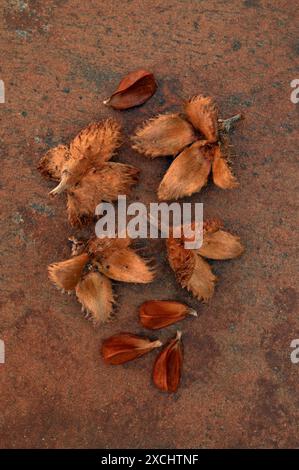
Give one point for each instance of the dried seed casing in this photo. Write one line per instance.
(94, 292)
(167, 134)
(156, 314)
(133, 90)
(125, 347)
(202, 112)
(66, 274)
(168, 365)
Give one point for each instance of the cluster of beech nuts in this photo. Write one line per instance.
(198, 141)
(154, 315)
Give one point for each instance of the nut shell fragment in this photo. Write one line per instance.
(133, 90)
(168, 366)
(125, 347)
(156, 314)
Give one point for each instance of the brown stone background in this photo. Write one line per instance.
(59, 60)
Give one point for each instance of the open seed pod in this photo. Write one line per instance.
(83, 170)
(156, 314)
(125, 347)
(191, 270)
(114, 258)
(89, 270)
(172, 134)
(93, 290)
(168, 366)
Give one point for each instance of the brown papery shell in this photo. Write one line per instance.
(66, 274)
(163, 135)
(168, 366)
(202, 112)
(125, 347)
(222, 175)
(155, 314)
(95, 294)
(188, 173)
(133, 90)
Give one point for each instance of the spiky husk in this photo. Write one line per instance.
(97, 142)
(125, 265)
(104, 184)
(220, 245)
(95, 294)
(66, 274)
(52, 163)
(163, 135)
(222, 175)
(203, 114)
(188, 173)
(191, 271)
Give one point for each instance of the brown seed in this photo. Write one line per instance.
(155, 314)
(203, 114)
(125, 347)
(66, 274)
(163, 135)
(133, 90)
(168, 365)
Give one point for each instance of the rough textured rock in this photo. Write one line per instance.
(59, 60)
